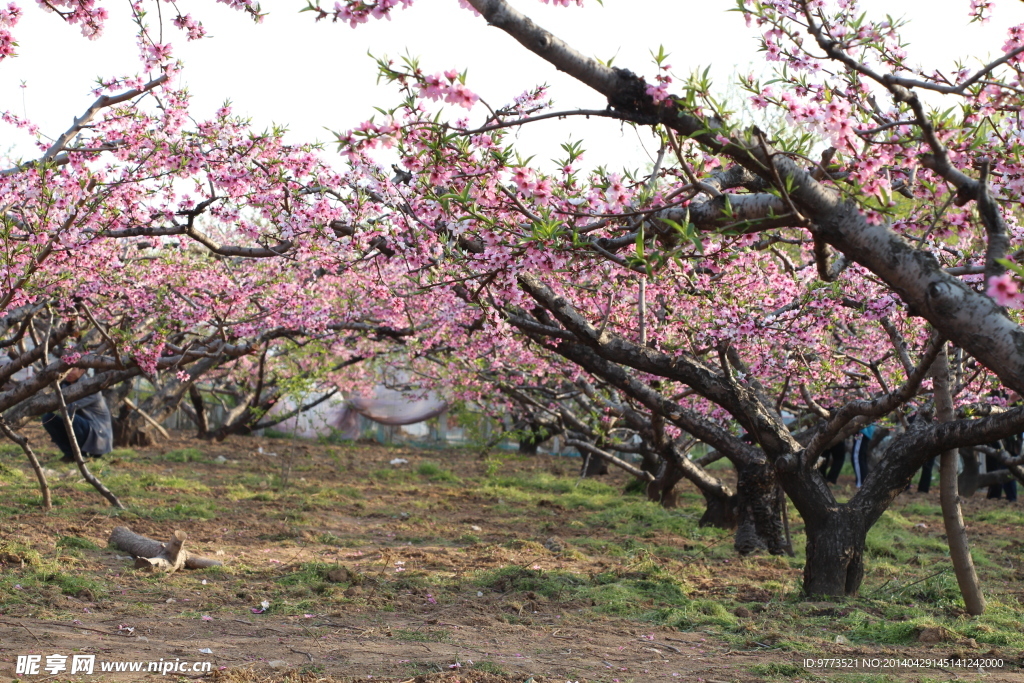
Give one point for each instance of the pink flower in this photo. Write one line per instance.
(462, 96)
(658, 93)
(432, 87)
(1004, 290)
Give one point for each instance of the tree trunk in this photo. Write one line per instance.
(528, 445)
(662, 490)
(131, 429)
(532, 436)
(536, 431)
(129, 432)
(835, 553)
(759, 522)
(202, 421)
(956, 534)
(969, 481)
(593, 466)
(721, 512)
(755, 510)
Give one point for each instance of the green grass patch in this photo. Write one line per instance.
(14, 552)
(1008, 515)
(436, 473)
(203, 509)
(694, 613)
(75, 585)
(778, 670)
(392, 475)
(184, 455)
(75, 542)
(309, 574)
(11, 474)
(141, 484)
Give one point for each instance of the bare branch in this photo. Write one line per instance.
(610, 459)
(874, 408)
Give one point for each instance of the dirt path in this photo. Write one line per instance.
(356, 645)
(365, 647)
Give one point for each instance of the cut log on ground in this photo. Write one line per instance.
(155, 556)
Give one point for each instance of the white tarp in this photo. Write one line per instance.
(392, 407)
(341, 416)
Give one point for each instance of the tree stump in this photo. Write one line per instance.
(155, 556)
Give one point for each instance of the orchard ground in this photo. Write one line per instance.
(467, 566)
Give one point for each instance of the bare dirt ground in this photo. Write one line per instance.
(370, 576)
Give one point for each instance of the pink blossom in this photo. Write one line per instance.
(1003, 289)
(461, 95)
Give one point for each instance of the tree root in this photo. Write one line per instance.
(155, 556)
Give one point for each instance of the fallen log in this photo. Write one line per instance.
(155, 556)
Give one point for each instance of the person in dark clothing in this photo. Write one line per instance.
(90, 421)
(834, 457)
(863, 443)
(925, 483)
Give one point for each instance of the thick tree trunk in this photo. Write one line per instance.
(835, 553)
(759, 523)
(721, 512)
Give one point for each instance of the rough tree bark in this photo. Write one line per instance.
(835, 552)
(759, 522)
(155, 556)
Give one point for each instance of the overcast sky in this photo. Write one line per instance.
(314, 77)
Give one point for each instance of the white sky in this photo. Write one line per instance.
(312, 77)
